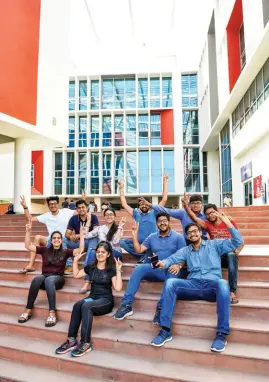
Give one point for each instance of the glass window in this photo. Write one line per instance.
(94, 131)
(119, 130)
(169, 168)
(58, 178)
(166, 92)
(70, 173)
(266, 78)
(156, 171)
(82, 134)
(205, 176)
(107, 173)
(94, 189)
(82, 172)
(142, 92)
(71, 132)
(32, 175)
(118, 168)
(247, 105)
(253, 97)
(107, 128)
(155, 129)
(130, 93)
(143, 128)
(131, 169)
(119, 94)
(242, 46)
(259, 87)
(226, 159)
(143, 171)
(155, 92)
(190, 127)
(72, 87)
(95, 96)
(192, 169)
(131, 130)
(83, 91)
(189, 90)
(107, 94)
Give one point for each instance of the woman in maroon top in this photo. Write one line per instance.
(52, 277)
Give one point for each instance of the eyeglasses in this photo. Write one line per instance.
(109, 215)
(162, 221)
(53, 204)
(193, 232)
(196, 203)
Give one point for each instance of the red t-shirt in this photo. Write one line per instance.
(220, 231)
(53, 262)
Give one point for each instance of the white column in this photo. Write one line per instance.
(154, 200)
(97, 200)
(22, 173)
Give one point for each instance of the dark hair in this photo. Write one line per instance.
(81, 201)
(114, 227)
(196, 198)
(162, 214)
(56, 255)
(210, 205)
(72, 200)
(51, 198)
(188, 226)
(65, 198)
(110, 260)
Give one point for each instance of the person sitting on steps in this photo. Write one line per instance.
(204, 282)
(163, 244)
(52, 277)
(103, 276)
(144, 216)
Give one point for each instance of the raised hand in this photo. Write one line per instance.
(135, 229)
(185, 200)
(78, 256)
(143, 201)
(23, 201)
(221, 215)
(83, 195)
(165, 178)
(122, 221)
(28, 227)
(121, 183)
(118, 264)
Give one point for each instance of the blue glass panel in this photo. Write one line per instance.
(95, 96)
(166, 92)
(71, 132)
(155, 128)
(118, 128)
(58, 181)
(70, 186)
(189, 90)
(119, 168)
(82, 135)
(131, 130)
(143, 171)
(58, 186)
(142, 92)
(107, 128)
(107, 94)
(94, 131)
(94, 185)
(119, 94)
(155, 92)
(82, 172)
(156, 171)
(130, 93)
(192, 169)
(94, 173)
(83, 92)
(107, 173)
(131, 172)
(169, 168)
(72, 95)
(70, 164)
(190, 127)
(143, 128)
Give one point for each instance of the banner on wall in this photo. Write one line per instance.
(257, 186)
(264, 194)
(246, 172)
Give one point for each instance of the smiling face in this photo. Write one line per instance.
(143, 207)
(82, 209)
(209, 213)
(53, 206)
(196, 206)
(102, 254)
(109, 217)
(194, 234)
(56, 240)
(163, 224)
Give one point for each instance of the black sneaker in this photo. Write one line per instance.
(68, 345)
(157, 317)
(123, 311)
(81, 349)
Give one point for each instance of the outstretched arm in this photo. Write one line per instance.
(123, 199)
(26, 210)
(28, 244)
(139, 248)
(185, 205)
(165, 190)
(118, 235)
(78, 274)
(227, 245)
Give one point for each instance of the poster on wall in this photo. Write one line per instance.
(246, 172)
(257, 186)
(264, 194)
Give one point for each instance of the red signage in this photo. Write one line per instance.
(257, 185)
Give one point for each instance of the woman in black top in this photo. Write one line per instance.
(52, 277)
(104, 273)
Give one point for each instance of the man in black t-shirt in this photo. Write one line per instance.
(65, 204)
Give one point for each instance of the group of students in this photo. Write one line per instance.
(162, 253)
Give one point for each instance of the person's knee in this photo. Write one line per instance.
(37, 239)
(37, 280)
(77, 305)
(223, 286)
(170, 284)
(49, 281)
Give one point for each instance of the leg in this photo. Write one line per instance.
(53, 283)
(127, 244)
(75, 321)
(39, 240)
(90, 257)
(71, 245)
(233, 275)
(33, 291)
(117, 254)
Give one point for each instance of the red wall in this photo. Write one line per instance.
(167, 127)
(233, 44)
(19, 43)
(38, 162)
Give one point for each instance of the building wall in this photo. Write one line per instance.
(7, 170)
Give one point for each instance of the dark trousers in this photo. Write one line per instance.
(230, 261)
(48, 283)
(83, 312)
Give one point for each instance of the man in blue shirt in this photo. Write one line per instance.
(163, 244)
(203, 259)
(196, 206)
(142, 215)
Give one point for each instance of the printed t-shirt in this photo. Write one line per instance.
(55, 265)
(101, 282)
(220, 231)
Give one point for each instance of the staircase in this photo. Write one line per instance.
(122, 350)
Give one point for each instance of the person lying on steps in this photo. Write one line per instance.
(104, 273)
(163, 244)
(204, 282)
(218, 230)
(52, 276)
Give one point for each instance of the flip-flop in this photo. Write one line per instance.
(24, 317)
(234, 300)
(51, 321)
(23, 271)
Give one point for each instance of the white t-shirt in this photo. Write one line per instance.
(56, 222)
(227, 202)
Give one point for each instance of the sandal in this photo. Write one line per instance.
(234, 300)
(24, 317)
(84, 290)
(51, 321)
(23, 271)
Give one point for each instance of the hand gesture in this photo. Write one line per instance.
(160, 264)
(121, 183)
(23, 201)
(28, 226)
(142, 200)
(74, 238)
(78, 256)
(118, 264)
(165, 178)
(83, 230)
(83, 194)
(122, 221)
(135, 229)
(185, 200)
(174, 269)
(221, 216)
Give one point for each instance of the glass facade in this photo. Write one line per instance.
(82, 172)
(143, 171)
(225, 151)
(189, 90)
(155, 86)
(107, 130)
(118, 168)
(143, 129)
(71, 132)
(83, 95)
(167, 92)
(119, 130)
(192, 169)
(156, 171)
(72, 91)
(155, 129)
(70, 173)
(131, 172)
(143, 92)
(131, 130)
(58, 175)
(95, 95)
(107, 172)
(168, 168)
(190, 127)
(252, 99)
(82, 132)
(94, 174)
(95, 135)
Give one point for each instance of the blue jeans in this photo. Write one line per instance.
(90, 257)
(230, 261)
(72, 245)
(193, 290)
(145, 272)
(127, 244)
